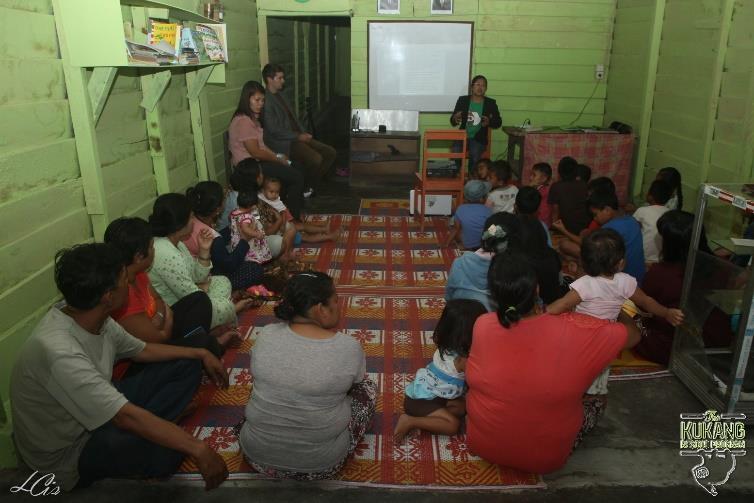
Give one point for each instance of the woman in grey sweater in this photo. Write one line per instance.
(311, 402)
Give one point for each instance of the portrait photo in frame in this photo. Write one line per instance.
(441, 7)
(388, 6)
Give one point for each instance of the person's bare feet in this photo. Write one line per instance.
(402, 427)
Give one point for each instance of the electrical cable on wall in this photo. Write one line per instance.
(585, 104)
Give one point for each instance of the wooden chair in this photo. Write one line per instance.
(425, 185)
(487, 154)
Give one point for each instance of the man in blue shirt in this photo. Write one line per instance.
(604, 208)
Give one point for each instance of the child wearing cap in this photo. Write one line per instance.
(470, 216)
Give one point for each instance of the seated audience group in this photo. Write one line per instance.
(163, 296)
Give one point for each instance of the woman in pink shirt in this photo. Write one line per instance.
(246, 139)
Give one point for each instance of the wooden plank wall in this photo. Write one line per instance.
(687, 60)
(733, 139)
(220, 101)
(41, 195)
(701, 118)
(42, 207)
(539, 56)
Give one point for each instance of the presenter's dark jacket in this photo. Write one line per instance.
(489, 108)
(279, 125)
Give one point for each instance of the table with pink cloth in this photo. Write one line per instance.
(607, 153)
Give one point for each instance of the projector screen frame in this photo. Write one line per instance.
(414, 21)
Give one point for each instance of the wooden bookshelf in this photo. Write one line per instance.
(95, 36)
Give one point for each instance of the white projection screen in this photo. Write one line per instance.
(422, 66)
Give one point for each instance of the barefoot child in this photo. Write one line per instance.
(246, 218)
(435, 400)
(309, 232)
(604, 290)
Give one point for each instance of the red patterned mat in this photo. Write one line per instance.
(384, 207)
(396, 333)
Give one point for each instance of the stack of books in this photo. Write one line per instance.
(174, 43)
(154, 55)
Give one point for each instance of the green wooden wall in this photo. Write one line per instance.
(538, 55)
(682, 73)
(42, 204)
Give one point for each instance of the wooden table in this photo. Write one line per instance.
(372, 157)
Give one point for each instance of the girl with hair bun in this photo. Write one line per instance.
(468, 275)
(311, 402)
(527, 373)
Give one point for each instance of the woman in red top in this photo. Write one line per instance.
(145, 315)
(527, 373)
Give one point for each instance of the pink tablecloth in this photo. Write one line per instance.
(607, 154)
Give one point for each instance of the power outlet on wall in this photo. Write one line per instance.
(599, 72)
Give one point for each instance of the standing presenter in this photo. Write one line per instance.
(476, 113)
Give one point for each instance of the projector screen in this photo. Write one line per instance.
(422, 66)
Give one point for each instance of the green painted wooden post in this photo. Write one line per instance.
(648, 101)
(726, 18)
(99, 87)
(82, 117)
(195, 81)
(264, 53)
(153, 85)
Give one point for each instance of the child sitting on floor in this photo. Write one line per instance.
(528, 201)
(583, 173)
(434, 400)
(468, 222)
(647, 216)
(541, 175)
(309, 232)
(567, 197)
(502, 196)
(482, 172)
(672, 177)
(571, 245)
(604, 290)
(246, 218)
(604, 207)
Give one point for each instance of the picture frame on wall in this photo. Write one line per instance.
(388, 6)
(440, 7)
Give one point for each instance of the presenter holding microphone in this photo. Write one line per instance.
(476, 113)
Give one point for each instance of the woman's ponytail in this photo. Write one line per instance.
(513, 285)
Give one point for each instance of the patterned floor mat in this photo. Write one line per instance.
(396, 335)
(384, 207)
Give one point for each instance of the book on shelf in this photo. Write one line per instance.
(211, 41)
(170, 33)
(146, 54)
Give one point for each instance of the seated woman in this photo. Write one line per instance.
(468, 274)
(145, 315)
(246, 139)
(311, 402)
(175, 273)
(206, 200)
(527, 373)
(664, 282)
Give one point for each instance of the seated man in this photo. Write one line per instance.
(68, 417)
(283, 133)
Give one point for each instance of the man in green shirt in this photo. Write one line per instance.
(477, 114)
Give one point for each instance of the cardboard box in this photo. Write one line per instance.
(433, 204)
